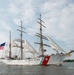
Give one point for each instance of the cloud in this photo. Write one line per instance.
(5, 26)
(58, 17)
(17, 21)
(21, 10)
(13, 9)
(3, 37)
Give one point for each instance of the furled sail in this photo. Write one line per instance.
(54, 45)
(29, 48)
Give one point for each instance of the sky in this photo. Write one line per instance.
(58, 17)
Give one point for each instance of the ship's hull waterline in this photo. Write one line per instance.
(46, 60)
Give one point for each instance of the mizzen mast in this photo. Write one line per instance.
(10, 47)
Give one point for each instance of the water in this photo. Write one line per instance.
(66, 69)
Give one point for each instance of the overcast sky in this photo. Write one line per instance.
(58, 17)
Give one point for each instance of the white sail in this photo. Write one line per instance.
(14, 44)
(29, 48)
(54, 45)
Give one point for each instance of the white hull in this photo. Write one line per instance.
(57, 59)
(47, 60)
(22, 62)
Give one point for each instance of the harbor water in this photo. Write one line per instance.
(66, 69)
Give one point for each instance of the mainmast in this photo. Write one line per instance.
(21, 40)
(10, 47)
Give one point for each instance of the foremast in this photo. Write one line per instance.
(41, 40)
(40, 35)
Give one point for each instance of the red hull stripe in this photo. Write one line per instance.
(45, 60)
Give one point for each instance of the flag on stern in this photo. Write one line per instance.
(2, 46)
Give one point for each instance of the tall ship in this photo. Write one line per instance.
(37, 58)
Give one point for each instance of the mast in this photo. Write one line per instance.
(21, 41)
(10, 47)
(41, 36)
(41, 40)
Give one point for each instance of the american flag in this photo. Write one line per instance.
(2, 46)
